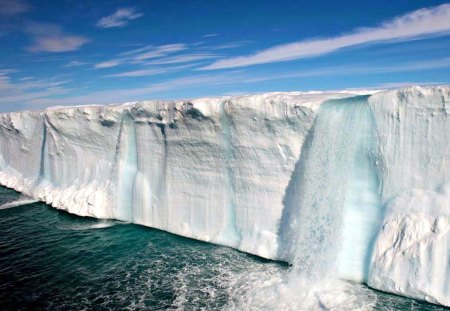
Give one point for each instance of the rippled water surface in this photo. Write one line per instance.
(56, 261)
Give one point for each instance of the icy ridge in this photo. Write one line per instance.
(231, 170)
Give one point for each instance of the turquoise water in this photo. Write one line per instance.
(51, 260)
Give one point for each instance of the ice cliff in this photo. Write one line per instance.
(357, 184)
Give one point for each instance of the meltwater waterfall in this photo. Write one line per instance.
(334, 221)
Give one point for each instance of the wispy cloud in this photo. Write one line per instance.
(107, 64)
(11, 17)
(199, 84)
(33, 83)
(75, 63)
(184, 82)
(353, 70)
(411, 66)
(6, 71)
(159, 51)
(230, 45)
(182, 59)
(119, 18)
(5, 81)
(26, 83)
(138, 73)
(58, 44)
(138, 50)
(27, 90)
(229, 78)
(50, 38)
(149, 71)
(417, 24)
(198, 80)
(142, 54)
(39, 100)
(13, 7)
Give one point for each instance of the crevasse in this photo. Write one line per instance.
(353, 186)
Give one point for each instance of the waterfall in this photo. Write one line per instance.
(126, 170)
(338, 199)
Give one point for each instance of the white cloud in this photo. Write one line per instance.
(141, 54)
(355, 69)
(50, 38)
(137, 73)
(107, 64)
(6, 71)
(19, 93)
(34, 84)
(75, 63)
(119, 18)
(58, 44)
(184, 82)
(416, 24)
(138, 50)
(148, 71)
(26, 83)
(40, 100)
(159, 51)
(411, 66)
(13, 7)
(5, 83)
(230, 45)
(181, 59)
(24, 92)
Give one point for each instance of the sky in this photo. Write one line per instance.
(70, 52)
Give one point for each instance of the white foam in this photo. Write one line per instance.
(18, 202)
(91, 226)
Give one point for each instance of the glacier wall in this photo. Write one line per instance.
(412, 252)
(352, 184)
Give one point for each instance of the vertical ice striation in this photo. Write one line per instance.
(336, 218)
(20, 146)
(44, 172)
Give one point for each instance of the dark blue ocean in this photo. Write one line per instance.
(52, 260)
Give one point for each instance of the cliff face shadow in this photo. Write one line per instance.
(287, 227)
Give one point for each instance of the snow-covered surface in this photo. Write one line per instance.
(253, 172)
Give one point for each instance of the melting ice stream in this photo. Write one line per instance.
(56, 261)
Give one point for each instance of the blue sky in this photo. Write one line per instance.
(98, 52)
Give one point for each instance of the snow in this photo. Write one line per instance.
(365, 178)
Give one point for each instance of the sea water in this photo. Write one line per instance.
(52, 260)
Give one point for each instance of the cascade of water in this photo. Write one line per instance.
(230, 235)
(127, 169)
(45, 171)
(339, 183)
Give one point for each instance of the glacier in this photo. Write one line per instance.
(353, 184)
